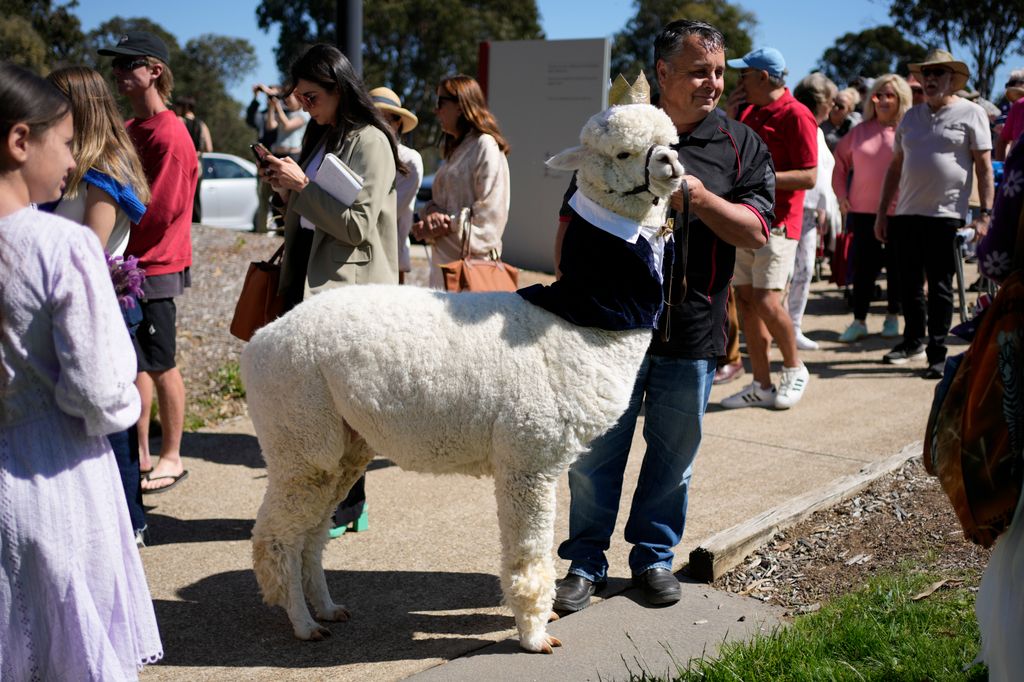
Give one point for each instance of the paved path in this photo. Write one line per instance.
(422, 582)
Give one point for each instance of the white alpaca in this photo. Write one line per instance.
(480, 384)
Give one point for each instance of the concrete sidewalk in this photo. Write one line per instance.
(422, 583)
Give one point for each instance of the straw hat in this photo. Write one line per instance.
(387, 100)
(942, 58)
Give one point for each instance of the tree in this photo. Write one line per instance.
(56, 26)
(408, 45)
(633, 48)
(203, 69)
(991, 31)
(21, 45)
(872, 52)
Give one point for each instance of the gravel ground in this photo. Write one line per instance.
(207, 353)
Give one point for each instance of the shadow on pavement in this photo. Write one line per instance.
(395, 616)
(223, 448)
(167, 530)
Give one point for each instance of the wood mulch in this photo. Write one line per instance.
(903, 519)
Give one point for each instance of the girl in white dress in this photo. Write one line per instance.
(74, 604)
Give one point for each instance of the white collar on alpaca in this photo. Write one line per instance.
(625, 229)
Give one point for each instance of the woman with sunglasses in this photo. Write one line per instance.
(862, 158)
(328, 243)
(73, 594)
(475, 176)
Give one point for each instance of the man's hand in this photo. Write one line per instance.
(697, 194)
(980, 225)
(736, 101)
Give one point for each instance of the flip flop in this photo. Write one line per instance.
(144, 473)
(177, 479)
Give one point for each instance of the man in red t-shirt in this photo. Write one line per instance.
(788, 128)
(162, 241)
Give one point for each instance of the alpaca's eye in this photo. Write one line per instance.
(622, 155)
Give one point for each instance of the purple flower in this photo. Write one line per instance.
(127, 277)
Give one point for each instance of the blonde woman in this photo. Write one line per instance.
(475, 176)
(108, 190)
(862, 158)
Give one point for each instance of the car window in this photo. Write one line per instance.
(223, 169)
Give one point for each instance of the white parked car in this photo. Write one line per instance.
(228, 191)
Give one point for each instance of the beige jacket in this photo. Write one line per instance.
(354, 244)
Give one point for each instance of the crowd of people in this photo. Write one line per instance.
(769, 178)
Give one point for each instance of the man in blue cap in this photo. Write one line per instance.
(788, 128)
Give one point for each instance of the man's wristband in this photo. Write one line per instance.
(985, 211)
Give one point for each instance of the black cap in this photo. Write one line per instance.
(138, 43)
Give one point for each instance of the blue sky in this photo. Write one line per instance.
(801, 30)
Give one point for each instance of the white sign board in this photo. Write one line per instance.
(542, 92)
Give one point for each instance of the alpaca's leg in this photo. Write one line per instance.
(293, 505)
(357, 456)
(526, 515)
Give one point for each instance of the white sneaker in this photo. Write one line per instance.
(804, 343)
(753, 395)
(791, 387)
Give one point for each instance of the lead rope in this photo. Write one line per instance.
(676, 294)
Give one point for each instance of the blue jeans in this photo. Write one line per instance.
(674, 392)
(125, 445)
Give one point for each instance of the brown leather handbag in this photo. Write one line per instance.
(474, 273)
(259, 304)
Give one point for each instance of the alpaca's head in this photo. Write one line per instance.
(624, 162)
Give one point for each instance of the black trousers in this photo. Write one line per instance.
(924, 251)
(869, 256)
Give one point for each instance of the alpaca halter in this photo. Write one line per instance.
(646, 187)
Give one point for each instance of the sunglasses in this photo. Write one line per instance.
(934, 72)
(308, 97)
(441, 99)
(129, 63)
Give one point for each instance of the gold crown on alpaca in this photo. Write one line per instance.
(622, 92)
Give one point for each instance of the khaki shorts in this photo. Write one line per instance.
(769, 267)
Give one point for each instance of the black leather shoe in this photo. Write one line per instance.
(660, 586)
(573, 593)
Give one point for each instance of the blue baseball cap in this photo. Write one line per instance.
(763, 59)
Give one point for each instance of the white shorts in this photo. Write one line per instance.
(769, 267)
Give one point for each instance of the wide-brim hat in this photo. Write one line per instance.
(138, 44)
(387, 100)
(942, 58)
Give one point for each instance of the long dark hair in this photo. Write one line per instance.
(326, 66)
(27, 98)
(475, 114)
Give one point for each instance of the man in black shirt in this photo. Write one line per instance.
(731, 184)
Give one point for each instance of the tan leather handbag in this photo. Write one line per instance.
(475, 273)
(259, 304)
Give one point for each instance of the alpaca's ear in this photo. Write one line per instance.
(569, 159)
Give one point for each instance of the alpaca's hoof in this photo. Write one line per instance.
(313, 633)
(553, 617)
(335, 614)
(542, 646)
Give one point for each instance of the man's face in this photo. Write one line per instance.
(691, 83)
(937, 81)
(134, 74)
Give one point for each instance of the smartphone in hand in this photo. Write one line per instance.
(260, 152)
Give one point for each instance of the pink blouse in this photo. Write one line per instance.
(864, 153)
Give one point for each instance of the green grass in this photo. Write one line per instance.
(877, 633)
